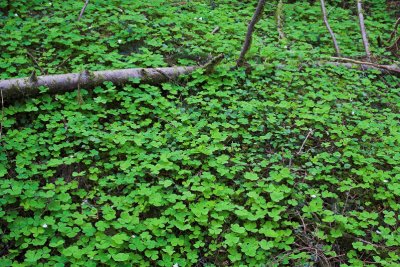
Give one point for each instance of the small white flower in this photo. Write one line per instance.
(175, 265)
(133, 236)
(378, 232)
(44, 225)
(313, 196)
(352, 113)
(50, 3)
(119, 41)
(16, 14)
(385, 181)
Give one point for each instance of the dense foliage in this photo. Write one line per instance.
(295, 165)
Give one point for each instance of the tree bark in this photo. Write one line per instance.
(68, 82)
(325, 18)
(279, 20)
(249, 35)
(60, 83)
(363, 31)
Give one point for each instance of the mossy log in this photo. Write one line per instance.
(29, 86)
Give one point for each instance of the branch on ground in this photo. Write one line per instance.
(279, 20)
(351, 63)
(325, 18)
(249, 35)
(393, 34)
(363, 30)
(60, 83)
(83, 10)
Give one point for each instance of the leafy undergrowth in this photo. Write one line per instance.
(128, 34)
(217, 172)
(295, 166)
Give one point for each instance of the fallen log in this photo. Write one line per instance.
(60, 83)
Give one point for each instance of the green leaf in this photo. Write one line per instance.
(120, 257)
(251, 176)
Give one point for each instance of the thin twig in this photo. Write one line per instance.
(363, 31)
(305, 140)
(249, 35)
(216, 29)
(325, 18)
(37, 64)
(303, 223)
(83, 10)
(209, 66)
(345, 203)
(389, 68)
(393, 34)
(2, 114)
(395, 46)
(62, 63)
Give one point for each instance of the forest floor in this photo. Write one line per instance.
(291, 163)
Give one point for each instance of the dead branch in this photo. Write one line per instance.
(391, 69)
(325, 18)
(35, 61)
(2, 114)
(394, 48)
(363, 30)
(310, 132)
(216, 29)
(279, 20)
(249, 35)
(60, 83)
(393, 34)
(83, 10)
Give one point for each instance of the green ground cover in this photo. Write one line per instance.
(296, 166)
